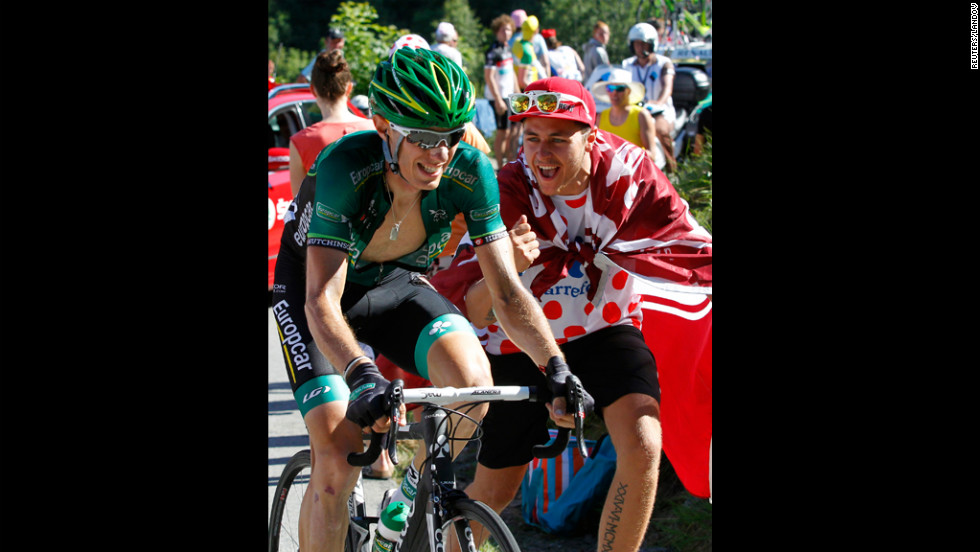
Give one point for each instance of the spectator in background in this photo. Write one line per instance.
(595, 49)
(656, 73)
(657, 24)
(331, 86)
(540, 48)
(526, 63)
(333, 41)
(625, 118)
(446, 40)
(565, 61)
(498, 74)
(272, 74)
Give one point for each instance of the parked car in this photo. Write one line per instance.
(292, 108)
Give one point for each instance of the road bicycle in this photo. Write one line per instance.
(439, 507)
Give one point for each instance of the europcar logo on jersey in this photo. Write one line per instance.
(326, 213)
(460, 176)
(484, 214)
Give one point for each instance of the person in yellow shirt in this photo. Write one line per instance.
(526, 63)
(625, 118)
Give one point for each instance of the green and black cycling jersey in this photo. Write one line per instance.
(343, 201)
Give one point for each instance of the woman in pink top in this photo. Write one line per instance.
(331, 84)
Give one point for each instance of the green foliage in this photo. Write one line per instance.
(289, 62)
(693, 183)
(680, 521)
(573, 20)
(366, 43)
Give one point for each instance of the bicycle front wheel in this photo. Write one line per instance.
(284, 521)
(491, 530)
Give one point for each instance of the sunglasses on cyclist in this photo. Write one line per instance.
(610, 88)
(427, 139)
(547, 102)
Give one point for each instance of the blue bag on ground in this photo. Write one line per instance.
(557, 493)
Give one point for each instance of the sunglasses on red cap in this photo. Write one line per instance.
(547, 102)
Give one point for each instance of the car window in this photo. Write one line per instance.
(282, 125)
(290, 119)
(311, 113)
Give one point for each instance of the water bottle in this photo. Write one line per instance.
(390, 525)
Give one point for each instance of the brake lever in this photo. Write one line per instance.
(578, 409)
(396, 398)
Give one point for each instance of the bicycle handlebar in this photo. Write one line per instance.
(396, 395)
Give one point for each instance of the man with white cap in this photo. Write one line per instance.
(446, 40)
(582, 204)
(333, 41)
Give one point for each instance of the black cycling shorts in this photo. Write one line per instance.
(399, 318)
(611, 363)
(503, 122)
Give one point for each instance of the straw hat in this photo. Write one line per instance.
(618, 76)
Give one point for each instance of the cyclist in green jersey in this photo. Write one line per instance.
(380, 215)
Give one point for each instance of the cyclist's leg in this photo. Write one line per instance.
(321, 395)
(332, 479)
(433, 340)
(618, 369)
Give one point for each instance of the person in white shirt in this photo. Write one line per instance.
(656, 73)
(565, 61)
(446, 40)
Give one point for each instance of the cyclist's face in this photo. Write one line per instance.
(422, 168)
(557, 151)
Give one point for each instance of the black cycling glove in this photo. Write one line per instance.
(557, 373)
(367, 389)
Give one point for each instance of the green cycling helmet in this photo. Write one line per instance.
(421, 88)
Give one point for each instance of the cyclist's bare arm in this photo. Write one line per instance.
(482, 312)
(515, 307)
(479, 304)
(326, 273)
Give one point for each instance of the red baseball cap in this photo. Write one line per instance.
(582, 110)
